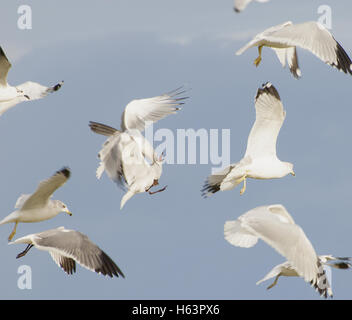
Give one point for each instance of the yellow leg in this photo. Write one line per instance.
(274, 283)
(257, 61)
(13, 231)
(244, 183)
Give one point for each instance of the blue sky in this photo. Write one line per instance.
(171, 245)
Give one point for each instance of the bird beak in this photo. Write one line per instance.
(69, 213)
(293, 173)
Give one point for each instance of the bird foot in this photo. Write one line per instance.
(257, 61)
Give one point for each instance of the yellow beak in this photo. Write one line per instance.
(293, 173)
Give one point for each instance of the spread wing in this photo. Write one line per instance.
(31, 91)
(314, 37)
(270, 116)
(139, 112)
(45, 189)
(67, 246)
(285, 237)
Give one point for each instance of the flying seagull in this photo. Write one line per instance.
(126, 156)
(287, 269)
(38, 206)
(240, 5)
(312, 36)
(67, 247)
(10, 96)
(275, 226)
(260, 160)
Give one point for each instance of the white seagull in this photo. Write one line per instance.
(260, 160)
(275, 226)
(286, 269)
(240, 5)
(38, 206)
(312, 36)
(126, 156)
(10, 96)
(67, 247)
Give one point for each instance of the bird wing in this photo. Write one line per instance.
(275, 271)
(314, 37)
(5, 66)
(242, 4)
(21, 200)
(110, 158)
(270, 116)
(286, 238)
(139, 112)
(31, 91)
(45, 189)
(67, 245)
(34, 90)
(260, 38)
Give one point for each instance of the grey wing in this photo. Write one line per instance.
(70, 244)
(270, 116)
(5, 66)
(316, 38)
(46, 188)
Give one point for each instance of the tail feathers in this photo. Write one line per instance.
(214, 182)
(128, 195)
(102, 129)
(322, 284)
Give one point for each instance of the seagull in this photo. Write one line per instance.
(126, 156)
(260, 160)
(10, 96)
(240, 5)
(38, 206)
(287, 269)
(67, 247)
(275, 226)
(312, 36)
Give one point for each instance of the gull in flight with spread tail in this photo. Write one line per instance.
(260, 160)
(126, 156)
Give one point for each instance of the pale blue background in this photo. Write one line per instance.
(171, 245)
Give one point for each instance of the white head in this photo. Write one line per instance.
(60, 207)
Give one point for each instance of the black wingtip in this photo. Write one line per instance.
(268, 88)
(344, 62)
(58, 86)
(65, 171)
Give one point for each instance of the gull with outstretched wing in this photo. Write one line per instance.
(275, 226)
(67, 247)
(12, 95)
(126, 156)
(38, 206)
(260, 160)
(312, 36)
